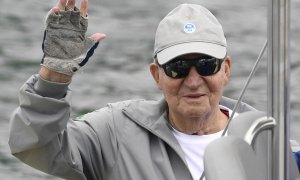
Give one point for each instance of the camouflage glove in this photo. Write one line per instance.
(65, 46)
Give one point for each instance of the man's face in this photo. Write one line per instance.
(193, 96)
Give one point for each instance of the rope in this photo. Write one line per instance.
(242, 93)
(245, 87)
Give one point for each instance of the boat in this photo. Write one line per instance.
(257, 145)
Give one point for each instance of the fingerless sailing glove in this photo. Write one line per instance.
(65, 46)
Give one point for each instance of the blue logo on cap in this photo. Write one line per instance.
(189, 28)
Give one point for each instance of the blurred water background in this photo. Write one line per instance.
(119, 68)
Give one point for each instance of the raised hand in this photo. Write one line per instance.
(65, 46)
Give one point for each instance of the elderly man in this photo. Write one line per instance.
(135, 139)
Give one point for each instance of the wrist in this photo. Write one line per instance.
(53, 76)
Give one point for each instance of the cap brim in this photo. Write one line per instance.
(214, 50)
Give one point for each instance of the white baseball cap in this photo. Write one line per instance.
(189, 28)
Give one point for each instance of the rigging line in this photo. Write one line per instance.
(202, 176)
(242, 93)
(245, 87)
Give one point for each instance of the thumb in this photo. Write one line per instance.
(98, 37)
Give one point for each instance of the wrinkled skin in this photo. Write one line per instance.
(193, 101)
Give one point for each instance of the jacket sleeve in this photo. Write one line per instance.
(43, 136)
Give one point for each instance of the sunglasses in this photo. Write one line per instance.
(180, 67)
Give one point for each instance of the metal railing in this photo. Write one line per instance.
(279, 84)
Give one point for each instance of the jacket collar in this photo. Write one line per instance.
(152, 116)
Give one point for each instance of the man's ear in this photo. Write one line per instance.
(154, 69)
(227, 62)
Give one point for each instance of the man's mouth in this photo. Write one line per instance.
(194, 95)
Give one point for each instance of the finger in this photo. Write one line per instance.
(55, 10)
(83, 8)
(98, 36)
(62, 4)
(71, 4)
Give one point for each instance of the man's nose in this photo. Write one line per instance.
(193, 79)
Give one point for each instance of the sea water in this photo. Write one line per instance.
(119, 69)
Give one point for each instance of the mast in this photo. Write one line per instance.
(279, 85)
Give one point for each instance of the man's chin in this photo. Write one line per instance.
(194, 103)
(195, 110)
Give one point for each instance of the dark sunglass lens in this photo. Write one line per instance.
(177, 69)
(207, 67)
(181, 68)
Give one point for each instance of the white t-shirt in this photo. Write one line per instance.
(194, 146)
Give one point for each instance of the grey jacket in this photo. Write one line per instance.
(128, 140)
